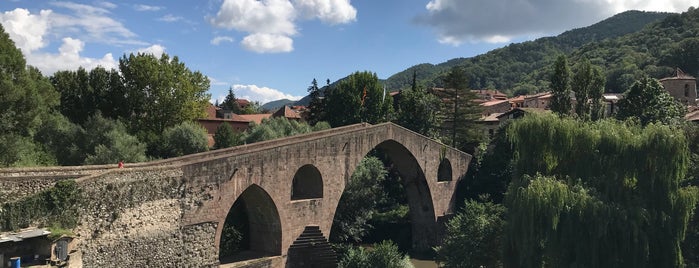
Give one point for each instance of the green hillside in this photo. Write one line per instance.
(523, 67)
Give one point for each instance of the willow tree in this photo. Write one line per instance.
(601, 194)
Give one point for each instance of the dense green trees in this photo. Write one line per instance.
(606, 212)
(107, 141)
(358, 202)
(473, 237)
(647, 101)
(230, 103)
(163, 93)
(560, 87)
(419, 111)
(358, 98)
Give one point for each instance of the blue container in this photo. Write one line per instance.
(15, 262)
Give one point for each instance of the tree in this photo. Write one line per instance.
(62, 138)
(26, 97)
(107, 141)
(384, 254)
(648, 102)
(230, 103)
(183, 139)
(588, 85)
(315, 111)
(358, 201)
(225, 137)
(473, 237)
(419, 111)
(358, 98)
(610, 211)
(560, 87)
(163, 93)
(460, 112)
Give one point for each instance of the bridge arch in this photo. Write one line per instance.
(258, 229)
(307, 183)
(417, 189)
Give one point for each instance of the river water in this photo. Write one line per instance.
(423, 263)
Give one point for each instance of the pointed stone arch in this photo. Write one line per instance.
(261, 234)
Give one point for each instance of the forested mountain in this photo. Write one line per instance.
(524, 67)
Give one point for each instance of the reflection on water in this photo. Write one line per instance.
(423, 263)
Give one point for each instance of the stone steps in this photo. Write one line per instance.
(311, 249)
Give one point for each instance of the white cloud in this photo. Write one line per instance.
(142, 7)
(219, 39)
(267, 16)
(91, 24)
(270, 24)
(268, 43)
(25, 29)
(68, 58)
(155, 50)
(170, 18)
(329, 11)
(458, 21)
(106, 4)
(261, 94)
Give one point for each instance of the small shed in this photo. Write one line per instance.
(32, 245)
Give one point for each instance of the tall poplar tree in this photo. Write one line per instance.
(588, 85)
(560, 87)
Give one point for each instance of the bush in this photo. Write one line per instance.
(384, 254)
(183, 139)
(225, 137)
(473, 237)
(56, 207)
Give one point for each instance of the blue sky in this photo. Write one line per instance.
(272, 49)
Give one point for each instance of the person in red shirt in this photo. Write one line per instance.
(121, 164)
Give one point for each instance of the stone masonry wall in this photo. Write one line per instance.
(133, 219)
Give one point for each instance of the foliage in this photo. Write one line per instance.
(225, 137)
(85, 93)
(473, 237)
(57, 206)
(626, 206)
(322, 125)
(384, 254)
(527, 66)
(419, 112)
(648, 102)
(690, 245)
(588, 86)
(489, 171)
(315, 111)
(163, 93)
(358, 98)
(560, 87)
(185, 138)
(106, 141)
(230, 103)
(460, 112)
(25, 97)
(358, 202)
(274, 128)
(62, 138)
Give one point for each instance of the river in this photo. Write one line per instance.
(423, 263)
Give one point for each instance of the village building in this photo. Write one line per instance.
(682, 87)
(242, 122)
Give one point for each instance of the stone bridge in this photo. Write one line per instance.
(171, 213)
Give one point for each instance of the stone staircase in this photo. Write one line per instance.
(311, 250)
